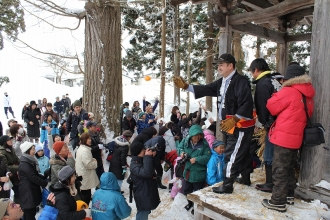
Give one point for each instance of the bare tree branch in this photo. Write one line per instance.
(71, 29)
(38, 58)
(55, 10)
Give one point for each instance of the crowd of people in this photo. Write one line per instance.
(61, 149)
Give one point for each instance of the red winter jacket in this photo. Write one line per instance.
(287, 105)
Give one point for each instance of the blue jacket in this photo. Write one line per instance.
(43, 164)
(215, 168)
(44, 132)
(150, 116)
(141, 124)
(108, 202)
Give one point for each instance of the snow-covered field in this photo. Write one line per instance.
(24, 89)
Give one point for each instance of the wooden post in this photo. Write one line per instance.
(209, 58)
(176, 54)
(313, 160)
(162, 62)
(189, 59)
(224, 47)
(283, 57)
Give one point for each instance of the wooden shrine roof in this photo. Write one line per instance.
(268, 19)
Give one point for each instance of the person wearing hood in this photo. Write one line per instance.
(64, 190)
(216, 163)
(128, 122)
(85, 167)
(31, 117)
(143, 178)
(62, 158)
(7, 105)
(118, 163)
(49, 126)
(288, 106)
(43, 161)
(30, 181)
(108, 202)
(11, 160)
(197, 150)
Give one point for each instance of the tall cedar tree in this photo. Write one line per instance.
(11, 20)
(144, 24)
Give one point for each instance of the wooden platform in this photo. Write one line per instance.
(245, 203)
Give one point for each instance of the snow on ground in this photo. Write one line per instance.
(324, 184)
(245, 202)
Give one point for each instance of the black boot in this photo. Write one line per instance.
(268, 186)
(290, 197)
(13, 115)
(226, 187)
(244, 180)
(7, 116)
(268, 204)
(159, 183)
(189, 205)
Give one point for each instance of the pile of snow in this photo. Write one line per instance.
(318, 203)
(323, 184)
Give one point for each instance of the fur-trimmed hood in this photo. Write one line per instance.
(121, 141)
(302, 83)
(57, 160)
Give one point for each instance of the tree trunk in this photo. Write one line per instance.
(103, 76)
(209, 57)
(258, 47)
(162, 63)
(176, 54)
(189, 59)
(314, 164)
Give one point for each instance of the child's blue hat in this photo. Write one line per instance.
(216, 143)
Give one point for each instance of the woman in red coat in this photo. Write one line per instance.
(287, 133)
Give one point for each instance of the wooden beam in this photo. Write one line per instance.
(256, 4)
(300, 14)
(177, 2)
(259, 31)
(298, 37)
(278, 10)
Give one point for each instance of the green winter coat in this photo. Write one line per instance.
(195, 172)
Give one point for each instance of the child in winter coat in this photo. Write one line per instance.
(141, 123)
(48, 126)
(108, 202)
(209, 134)
(216, 163)
(43, 161)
